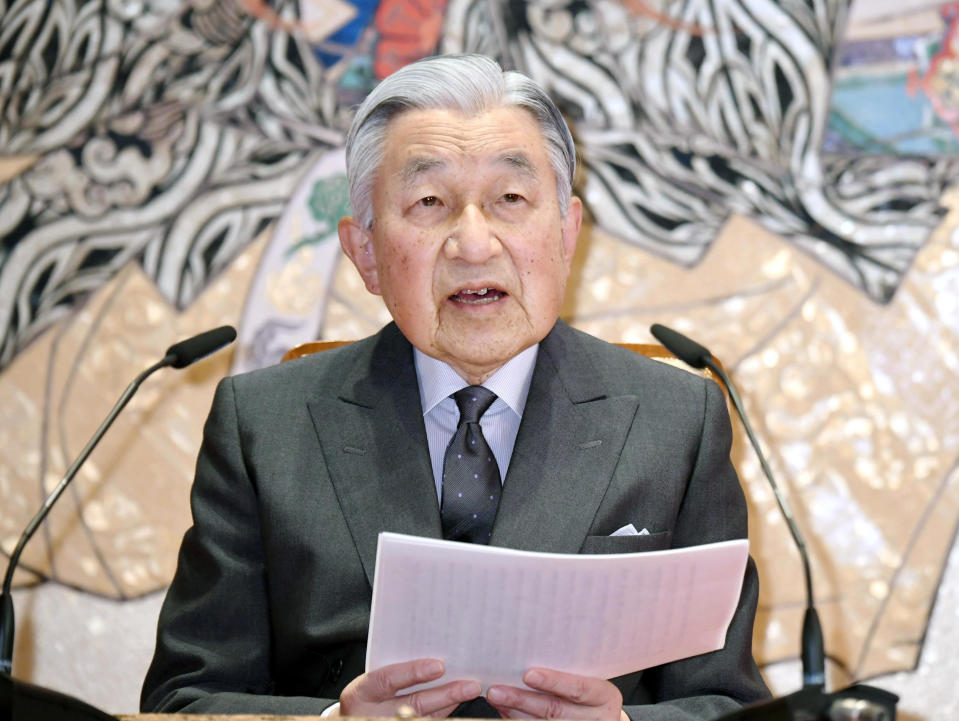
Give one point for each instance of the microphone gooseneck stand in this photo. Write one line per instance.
(811, 702)
(178, 355)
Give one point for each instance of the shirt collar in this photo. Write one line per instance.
(510, 382)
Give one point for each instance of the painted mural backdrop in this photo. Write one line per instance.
(771, 177)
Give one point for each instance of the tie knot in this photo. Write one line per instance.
(473, 402)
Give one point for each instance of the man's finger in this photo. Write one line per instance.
(377, 693)
(558, 695)
(508, 712)
(386, 682)
(519, 703)
(441, 700)
(581, 690)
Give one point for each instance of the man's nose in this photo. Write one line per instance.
(472, 239)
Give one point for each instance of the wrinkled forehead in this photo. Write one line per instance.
(419, 142)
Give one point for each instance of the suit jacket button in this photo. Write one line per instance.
(336, 669)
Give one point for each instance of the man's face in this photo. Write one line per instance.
(484, 182)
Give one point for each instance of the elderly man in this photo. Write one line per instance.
(460, 178)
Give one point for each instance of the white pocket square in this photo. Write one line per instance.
(629, 530)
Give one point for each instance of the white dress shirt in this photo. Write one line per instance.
(500, 423)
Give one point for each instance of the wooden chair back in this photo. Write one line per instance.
(650, 350)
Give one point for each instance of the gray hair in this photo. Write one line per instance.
(470, 84)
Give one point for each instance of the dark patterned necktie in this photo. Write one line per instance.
(471, 480)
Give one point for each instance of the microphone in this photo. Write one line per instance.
(697, 356)
(188, 351)
(178, 355)
(811, 698)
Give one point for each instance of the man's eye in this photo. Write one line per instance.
(429, 201)
(512, 197)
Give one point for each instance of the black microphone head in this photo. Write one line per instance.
(192, 349)
(688, 351)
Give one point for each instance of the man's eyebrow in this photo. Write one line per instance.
(416, 167)
(519, 161)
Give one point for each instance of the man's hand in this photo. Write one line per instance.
(564, 696)
(375, 693)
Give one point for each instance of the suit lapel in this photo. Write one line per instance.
(374, 444)
(375, 448)
(567, 448)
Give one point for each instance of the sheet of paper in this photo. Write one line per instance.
(491, 613)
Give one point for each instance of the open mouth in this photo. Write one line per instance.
(478, 296)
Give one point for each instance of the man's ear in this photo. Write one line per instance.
(357, 243)
(571, 225)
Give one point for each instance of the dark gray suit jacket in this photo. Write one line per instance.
(304, 463)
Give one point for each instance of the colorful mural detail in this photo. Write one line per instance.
(167, 134)
(916, 72)
(678, 130)
(173, 134)
(408, 30)
(291, 289)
